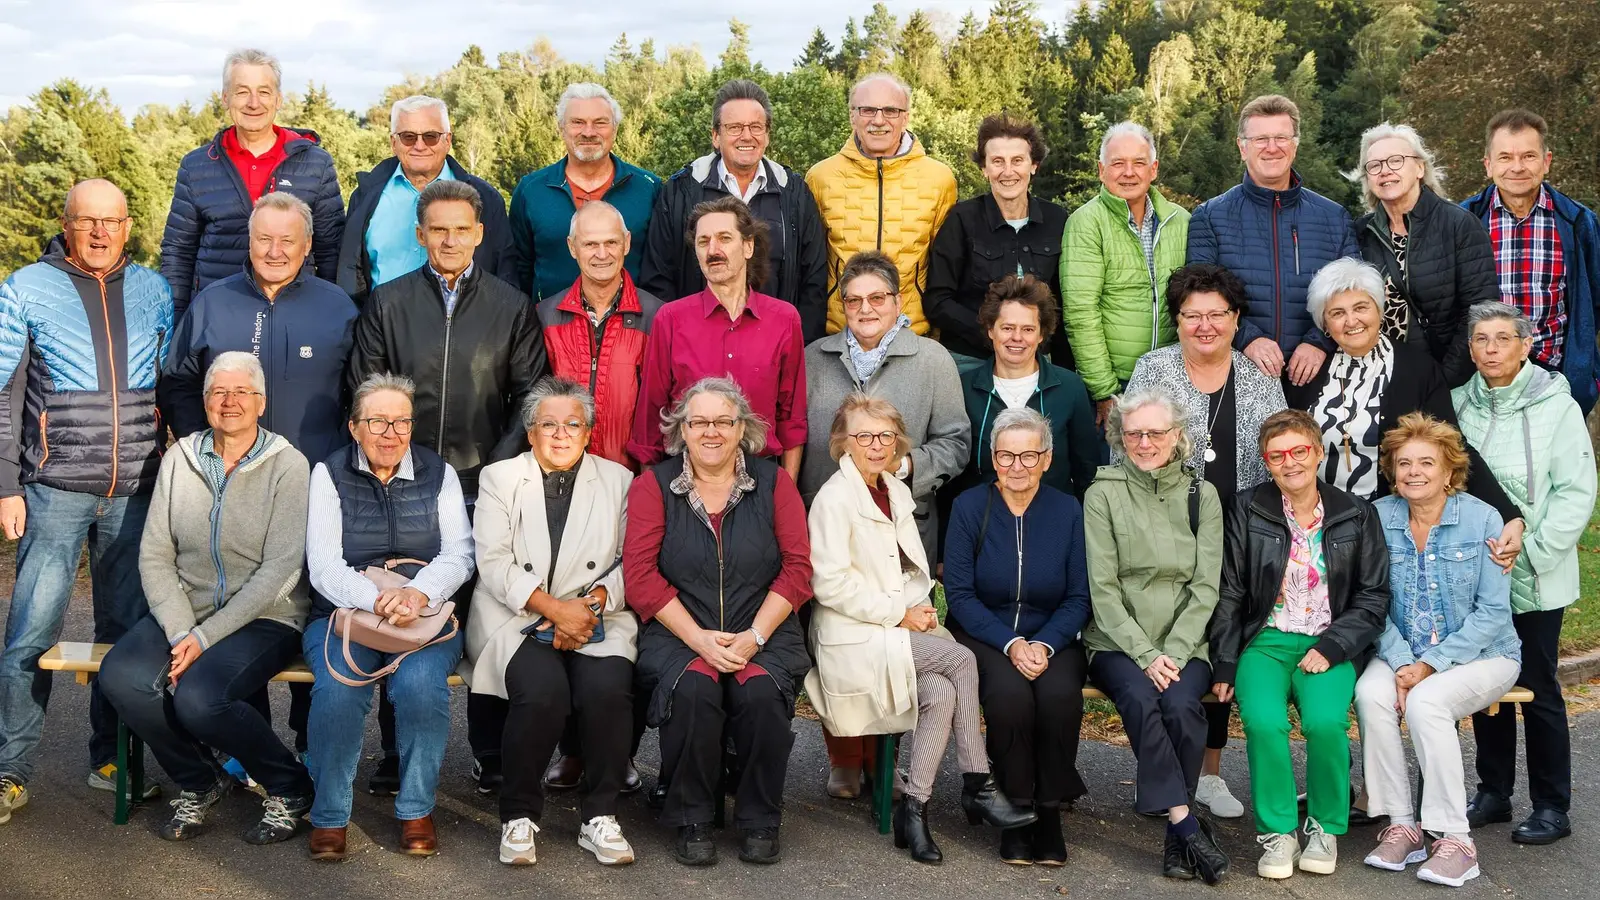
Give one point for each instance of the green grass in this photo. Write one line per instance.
(1580, 630)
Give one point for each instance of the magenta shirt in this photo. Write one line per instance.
(762, 351)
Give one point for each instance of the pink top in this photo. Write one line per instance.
(1302, 606)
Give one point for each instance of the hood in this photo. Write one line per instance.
(910, 148)
(55, 256)
(700, 170)
(190, 446)
(1174, 473)
(1532, 386)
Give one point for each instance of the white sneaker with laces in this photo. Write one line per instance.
(1321, 855)
(1212, 793)
(516, 843)
(1279, 854)
(602, 836)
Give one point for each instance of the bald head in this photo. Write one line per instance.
(95, 220)
(96, 193)
(599, 241)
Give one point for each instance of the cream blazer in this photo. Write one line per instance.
(864, 680)
(512, 541)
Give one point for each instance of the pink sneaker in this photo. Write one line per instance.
(1453, 863)
(1398, 846)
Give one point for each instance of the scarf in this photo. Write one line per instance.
(866, 362)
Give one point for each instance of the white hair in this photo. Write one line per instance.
(1343, 274)
(587, 90)
(251, 57)
(1127, 129)
(417, 103)
(1159, 395)
(1432, 172)
(1495, 310)
(1023, 418)
(377, 383)
(901, 86)
(283, 201)
(236, 361)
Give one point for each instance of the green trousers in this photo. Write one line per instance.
(1268, 680)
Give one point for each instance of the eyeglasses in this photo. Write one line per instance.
(1298, 454)
(1213, 319)
(1263, 141)
(1392, 163)
(220, 395)
(872, 112)
(549, 427)
(1004, 459)
(876, 301)
(754, 129)
(111, 224)
(1135, 438)
(429, 138)
(402, 427)
(722, 423)
(1499, 341)
(868, 438)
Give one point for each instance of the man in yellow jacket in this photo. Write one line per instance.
(882, 192)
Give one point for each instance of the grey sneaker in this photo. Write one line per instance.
(1454, 863)
(280, 819)
(1398, 846)
(1279, 853)
(516, 843)
(189, 811)
(1321, 855)
(105, 779)
(13, 796)
(602, 836)
(1212, 793)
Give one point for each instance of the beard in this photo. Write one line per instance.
(589, 154)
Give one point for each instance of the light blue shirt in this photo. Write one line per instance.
(392, 245)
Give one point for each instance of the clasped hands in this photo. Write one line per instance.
(1030, 659)
(573, 620)
(401, 605)
(1406, 678)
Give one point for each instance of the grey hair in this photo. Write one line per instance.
(251, 57)
(586, 90)
(901, 86)
(1124, 405)
(1493, 310)
(597, 206)
(236, 361)
(418, 103)
(675, 419)
(740, 89)
(283, 201)
(552, 387)
(1127, 129)
(1432, 172)
(1344, 274)
(442, 191)
(1022, 419)
(377, 383)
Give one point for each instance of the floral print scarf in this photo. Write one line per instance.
(1302, 606)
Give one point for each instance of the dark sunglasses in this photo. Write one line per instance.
(429, 138)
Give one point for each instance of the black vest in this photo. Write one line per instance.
(723, 588)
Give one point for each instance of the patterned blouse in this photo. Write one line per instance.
(1396, 311)
(1302, 606)
(1349, 411)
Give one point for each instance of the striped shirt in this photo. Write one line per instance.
(1533, 271)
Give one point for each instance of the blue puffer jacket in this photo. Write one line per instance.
(1580, 239)
(89, 351)
(207, 237)
(1275, 241)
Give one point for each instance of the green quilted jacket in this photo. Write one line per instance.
(1113, 314)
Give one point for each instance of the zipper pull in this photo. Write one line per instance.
(1294, 236)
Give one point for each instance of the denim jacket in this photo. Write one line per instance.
(1450, 604)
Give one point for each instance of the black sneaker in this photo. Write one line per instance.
(280, 819)
(385, 781)
(1210, 863)
(487, 773)
(189, 811)
(696, 847)
(1485, 808)
(1175, 862)
(760, 845)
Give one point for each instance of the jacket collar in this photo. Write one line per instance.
(1267, 501)
(271, 445)
(910, 148)
(1174, 473)
(255, 287)
(708, 173)
(299, 140)
(1532, 385)
(902, 345)
(555, 174)
(1049, 376)
(1119, 206)
(1266, 196)
(860, 492)
(1396, 515)
(627, 303)
(997, 221)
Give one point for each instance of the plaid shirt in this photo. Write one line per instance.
(1533, 272)
(1147, 236)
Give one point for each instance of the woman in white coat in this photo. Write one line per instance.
(549, 630)
(884, 665)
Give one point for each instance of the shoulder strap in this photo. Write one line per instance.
(1194, 507)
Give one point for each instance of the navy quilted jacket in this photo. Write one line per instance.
(207, 236)
(1274, 241)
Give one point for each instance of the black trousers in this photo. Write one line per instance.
(1544, 722)
(1032, 725)
(757, 717)
(546, 686)
(1167, 729)
(1217, 724)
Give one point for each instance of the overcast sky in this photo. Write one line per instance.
(167, 51)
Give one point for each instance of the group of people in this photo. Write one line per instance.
(1257, 453)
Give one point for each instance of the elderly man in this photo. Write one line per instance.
(207, 233)
(727, 330)
(1274, 233)
(543, 204)
(84, 385)
(882, 192)
(380, 237)
(1118, 250)
(741, 124)
(1546, 250)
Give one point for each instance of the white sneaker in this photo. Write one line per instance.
(602, 836)
(1212, 793)
(13, 796)
(1279, 854)
(1321, 855)
(516, 843)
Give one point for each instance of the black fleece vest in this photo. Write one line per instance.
(722, 590)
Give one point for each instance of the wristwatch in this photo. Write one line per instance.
(760, 641)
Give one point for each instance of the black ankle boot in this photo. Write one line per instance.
(1016, 845)
(984, 802)
(911, 830)
(1049, 844)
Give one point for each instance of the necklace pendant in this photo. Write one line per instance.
(1211, 455)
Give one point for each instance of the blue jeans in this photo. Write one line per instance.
(419, 691)
(209, 708)
(59, 523)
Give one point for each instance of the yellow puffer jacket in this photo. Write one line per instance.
(895, 205)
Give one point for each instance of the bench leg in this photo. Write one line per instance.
(123, 799)
(136, 768)
(883, 784)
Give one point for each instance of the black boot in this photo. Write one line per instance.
(1208, 859)
(911, 830)
(1049, 844)
(1175, 862)
(984, 802)
(1016, 845)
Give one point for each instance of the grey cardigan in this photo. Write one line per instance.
(919, 377)
(259, 543)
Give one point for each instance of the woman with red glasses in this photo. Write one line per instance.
(1305, 592)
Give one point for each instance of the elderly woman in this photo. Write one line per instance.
(549, 630)
(716, 561)
(1153, 533)
(1435, 257)
(1007, 231)
(884, 665)
(1018, 592)
(220, 563)
(387, 533)
(878, 353)
(1225, 399)
(1305, 589)
(1447, 649)
(1522, 418)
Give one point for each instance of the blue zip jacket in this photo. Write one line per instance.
(302, 339)
(1580, 242)
(1275, 241)
(1450, 604)
(207, 237)
(541, 216)
(996, 594)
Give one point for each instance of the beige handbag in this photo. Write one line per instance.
(433, 626)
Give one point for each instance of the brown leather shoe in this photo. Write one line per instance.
(564, 773)
(417, 837)
(327, 844)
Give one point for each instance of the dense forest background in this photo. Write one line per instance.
(1182, 67)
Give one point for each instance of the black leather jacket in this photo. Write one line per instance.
(1255, 554)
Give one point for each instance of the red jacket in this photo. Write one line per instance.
(607, 366)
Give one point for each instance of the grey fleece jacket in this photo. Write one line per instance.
(211, 565)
